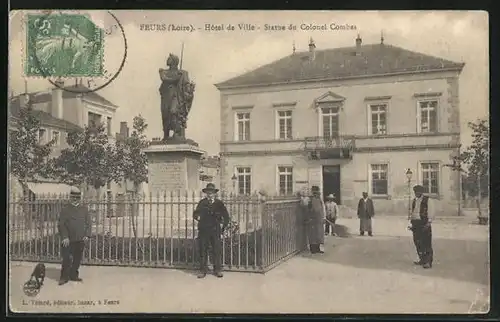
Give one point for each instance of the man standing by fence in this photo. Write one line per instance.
(315, 220)
(75, 229)
(421, 218)
(210, 213)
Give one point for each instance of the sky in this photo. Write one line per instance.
(212, 57)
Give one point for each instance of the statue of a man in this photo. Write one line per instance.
(177, 94)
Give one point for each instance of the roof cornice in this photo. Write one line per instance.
(90, 101)
(43, 123)
(458, 68)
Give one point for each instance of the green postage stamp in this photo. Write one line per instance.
(63, 45)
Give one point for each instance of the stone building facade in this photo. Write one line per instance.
(348, 120)
(61, 109)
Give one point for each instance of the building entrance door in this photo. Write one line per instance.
(331, 182)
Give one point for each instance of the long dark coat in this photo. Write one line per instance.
(211, 217)
(366, 209)
(75, 223)
(315, 221)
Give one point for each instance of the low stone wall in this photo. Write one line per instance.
(399, 207)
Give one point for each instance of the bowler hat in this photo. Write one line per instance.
(330, 196)
(418, 188)
(314, 189)
(210, 188)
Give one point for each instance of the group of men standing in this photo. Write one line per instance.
(319, 214)
(213, 218)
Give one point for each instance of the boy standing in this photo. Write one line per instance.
(332, 211)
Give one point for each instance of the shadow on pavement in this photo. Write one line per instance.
(191, 272)
(52, 273)
(342, 231)
(463, 260)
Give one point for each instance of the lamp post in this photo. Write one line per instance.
(233, 179)
(409, 174)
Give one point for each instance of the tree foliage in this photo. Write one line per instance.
(29, 158)
(90, 159)
(134, 165)
(473, 162)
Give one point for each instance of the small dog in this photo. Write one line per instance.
(39, 274)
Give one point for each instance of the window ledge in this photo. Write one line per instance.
(427, 95)
(381, 197)
(428, 132)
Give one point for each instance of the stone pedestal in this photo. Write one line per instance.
(173, 167)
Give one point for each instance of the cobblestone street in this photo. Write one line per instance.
(355, 275)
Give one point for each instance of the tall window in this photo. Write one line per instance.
(378, 113)
(41, 135)
(285, 124)
(244, 177)
(243, 126)
(285, 180)
(56, 136)
(94, 119)
(430, 177)
(379, 179)
(330, 120)
(108, 126)
(428, 116)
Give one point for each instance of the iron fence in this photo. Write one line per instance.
(158, 231)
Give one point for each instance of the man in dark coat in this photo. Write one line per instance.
(366, 211)
(315, 221)
(75, 229)
(420, 224)
(211, 214)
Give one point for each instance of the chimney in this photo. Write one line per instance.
(124, 130)
(312, 49)
(57, 100)
(23, 100)
(358, 46)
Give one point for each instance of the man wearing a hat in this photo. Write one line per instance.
(422, 215)
(75, 229)
(332, 211)
(211, 214)
(366, 211)
(316, 217)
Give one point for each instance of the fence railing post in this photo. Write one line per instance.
(164, 259)
(264, 244)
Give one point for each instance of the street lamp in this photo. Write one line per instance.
(234, 178)
(409, 174)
